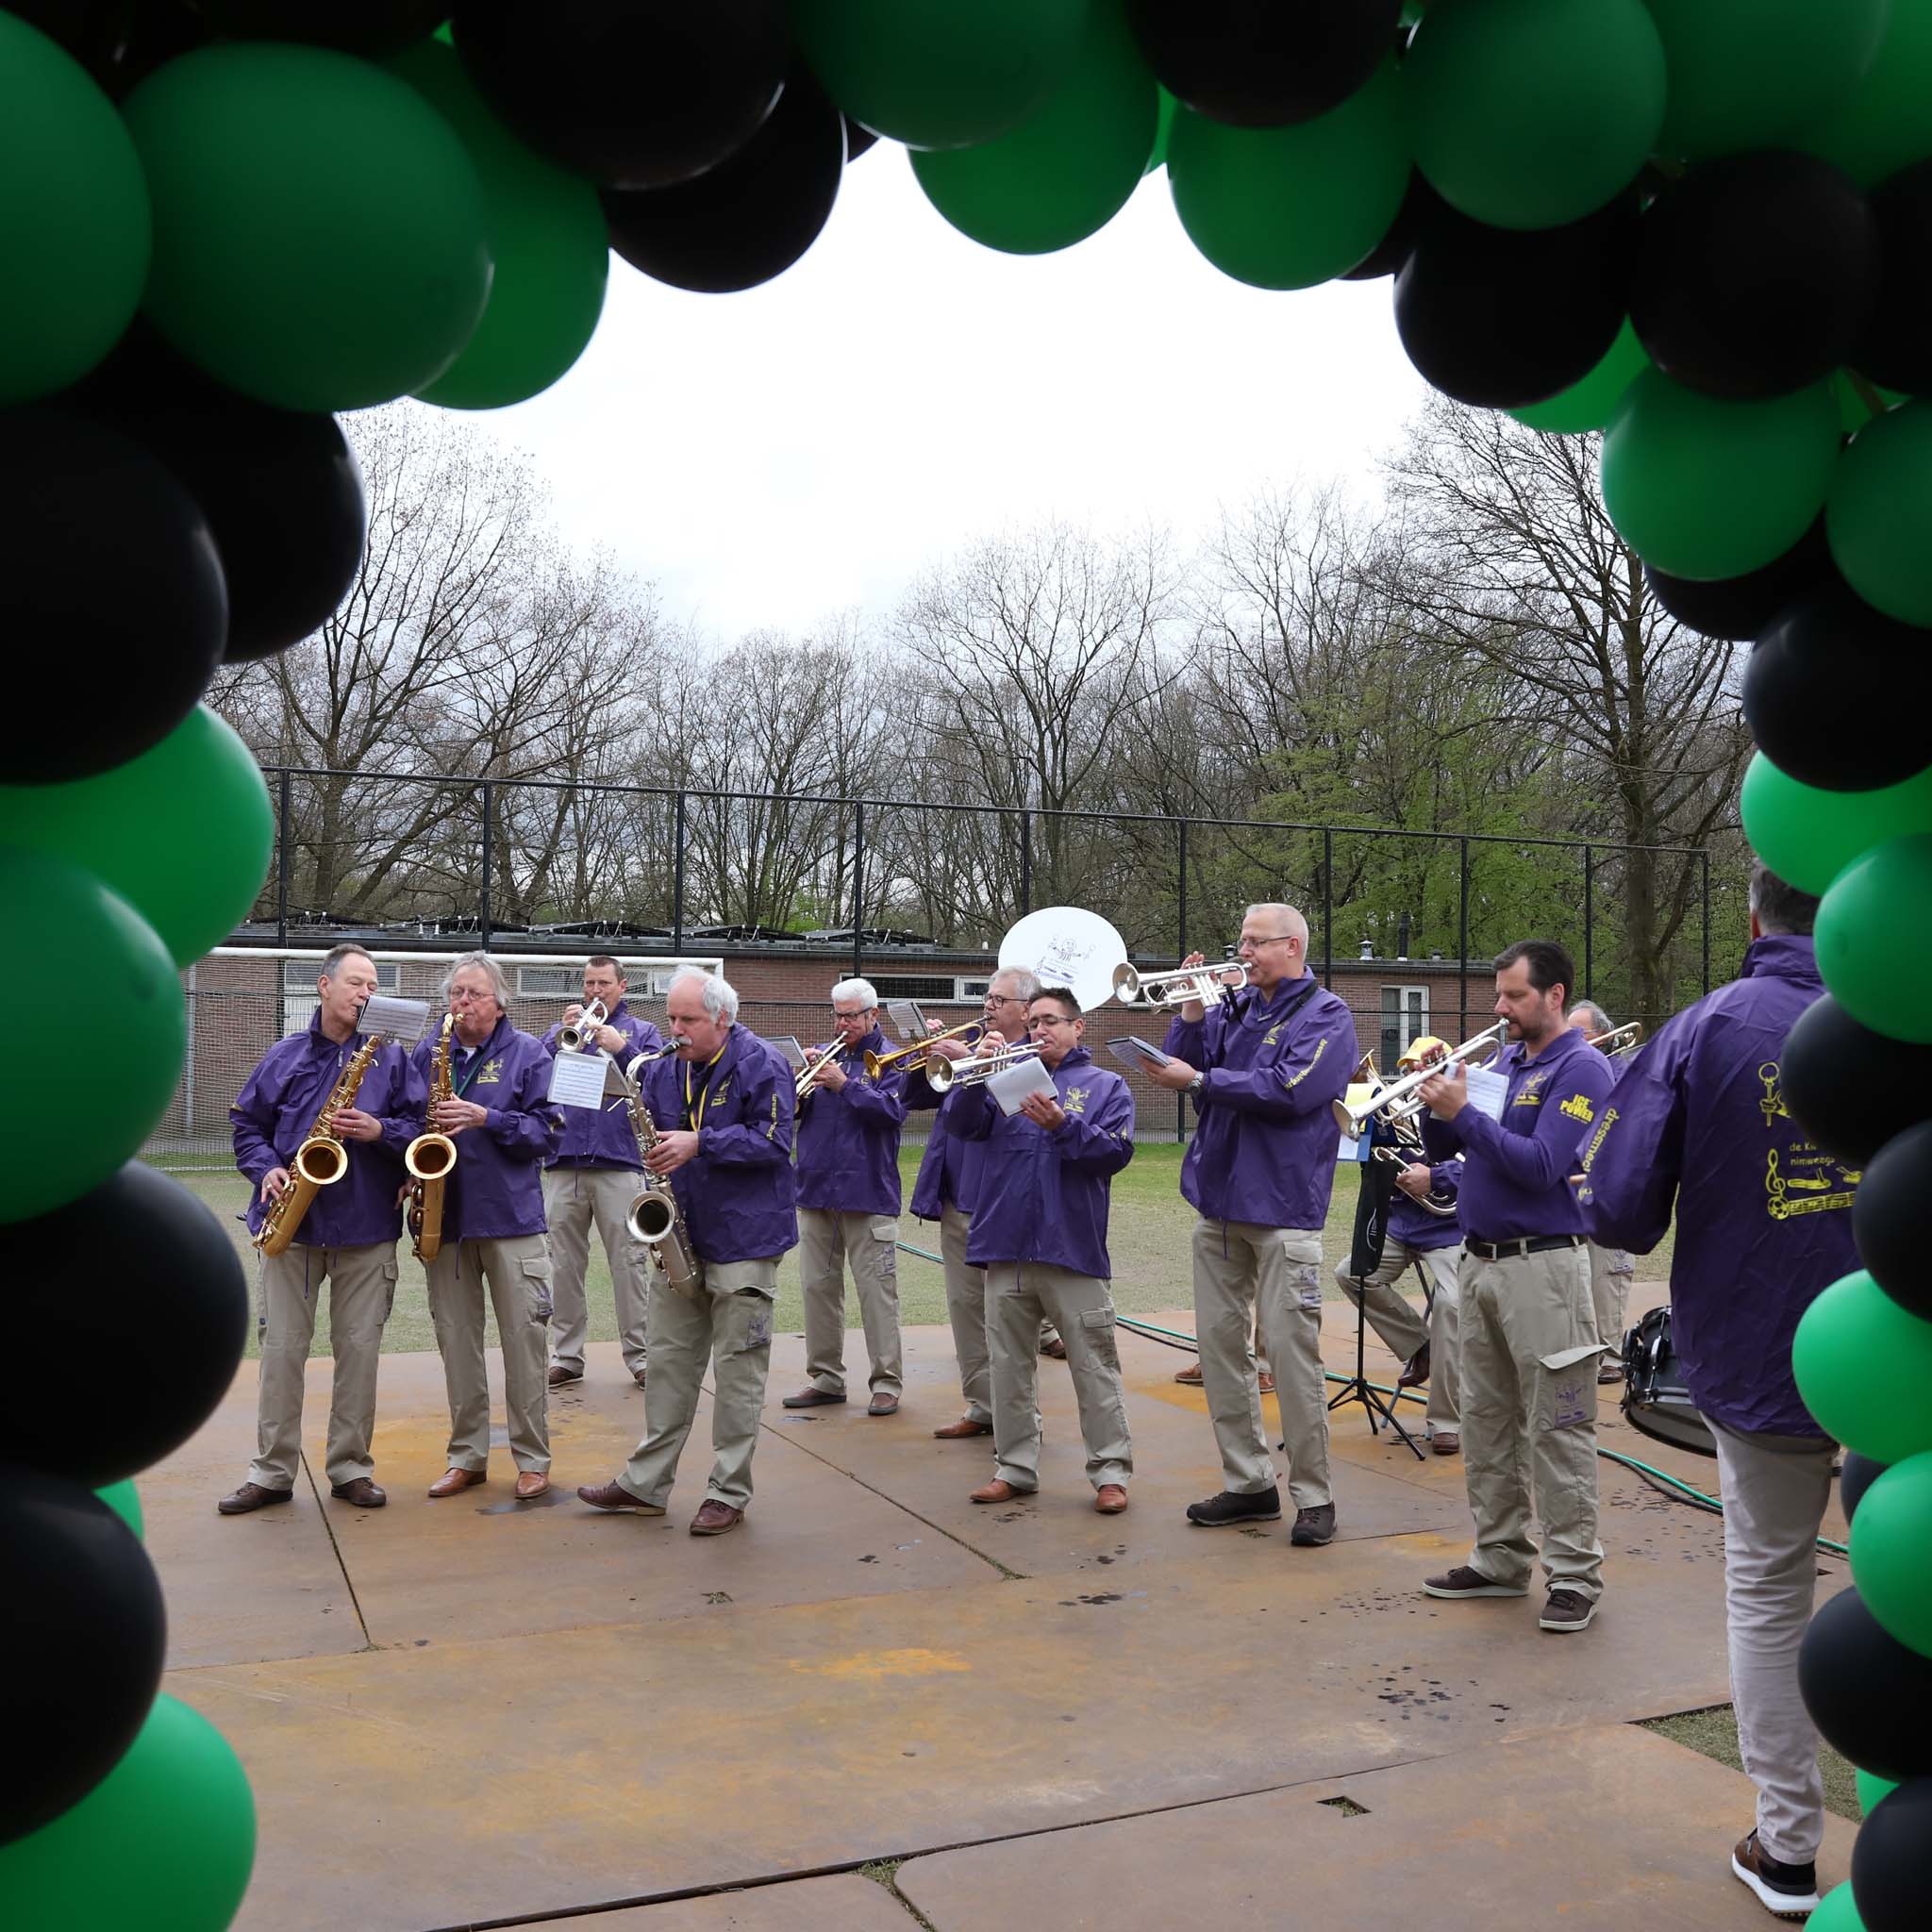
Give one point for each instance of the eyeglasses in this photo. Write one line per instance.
(1279, 939)
(1004, 999)
(857, 1013)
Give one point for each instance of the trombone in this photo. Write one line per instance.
(575, 1036)
(877, 1063)
(1352, 1117)
(1618, 1040)
(1210, 985)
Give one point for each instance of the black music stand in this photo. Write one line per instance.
(1364, 1257)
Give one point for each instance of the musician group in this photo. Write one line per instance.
(1514, 1211)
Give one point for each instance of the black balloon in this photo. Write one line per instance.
(1263, 63)
(369, 27)
(1892, 1218)
(116, 606)
(1811, 687)
(1755, 274)
(635, 94)
(160, 1266)
(282, 489)
(1895, 349)
(1888, 1860)
(119, 41)
(857, 139)
(1501, 318)
(751, 217)
(1742, 607)
(82, 1640)
(1869, 1696)
(1421, 205)
(1851, 1088)
(1856, 1475)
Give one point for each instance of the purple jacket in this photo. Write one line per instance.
(274, 1110)
(497, 1188)
(950, 1168)
(602, 1137)
(1409, 1221)
(1044, 1196)
(739, 1196)
(1764, 1217)
(848, 1141)
(1264, 1148)
(1516, 1170)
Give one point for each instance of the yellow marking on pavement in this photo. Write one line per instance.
(875, 1666)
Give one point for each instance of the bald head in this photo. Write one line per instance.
(1275, 944)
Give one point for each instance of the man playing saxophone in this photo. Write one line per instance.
(346, 1236)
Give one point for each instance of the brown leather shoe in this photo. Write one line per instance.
(614, 1496)
(1109, 1499)
(1445, 1442)
(1267, 1382)
(998, 1490)
(958, 1431)
(1415, 1371)
(559, 1375)
(252, 1496)
(715, 1518)
(812, 1396)
(883, 1404)
(531, 1483)
(453, 1482)
(1188, 1377)
(637, 1375)
(361, 1491)
(1055, 1348)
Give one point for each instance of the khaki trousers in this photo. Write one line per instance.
(575, 1199)
(1529, 1357)
(966, 1312)
(1611, 1272)
(1019, 1294)
(828, 1240)
(1390, 1315)
(516, 1272)
(723, 1323)
(362, 1289)
(1265, 1282)
(1774, 1492)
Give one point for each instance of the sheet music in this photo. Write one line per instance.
(1011, 1087)
(1487, 1090)
(906, 1016)
(403, 1020)
(578, 1079)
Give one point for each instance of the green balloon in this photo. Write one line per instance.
(84, 1104)
(1836, 1912)
(165, 1842)
(1880, 510)
(1162, 130)
(1590, 403)
(1288, 207)
(123, 1499)
(74, 227)
(1892, 1551)
(1706, 488)
(183, 833)
(934, 74)
(320, 238)
(1749, 74)
(1873, 1790)
(1874, 933)
(1883, 126)
(1807, 835)
(546, 237)
(1068, 168)
(1531, 113)
(1863, 1365)
(1854, 412)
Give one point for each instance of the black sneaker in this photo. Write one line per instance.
(1790, 1891)
(1262, 1506)
(1463, 1581)
(1566, 1611)
(1313, 1527)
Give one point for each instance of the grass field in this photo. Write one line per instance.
(1147, 1238)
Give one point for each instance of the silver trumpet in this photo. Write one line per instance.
(942, 1073)
(1401, 1099)
(1210, 985)
(579, 1034)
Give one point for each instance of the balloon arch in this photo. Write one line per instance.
(1703, 228)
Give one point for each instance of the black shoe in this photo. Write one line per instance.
(1313, 1527)
(1567, 1609)
(1262, 1506)
(1791, 1891)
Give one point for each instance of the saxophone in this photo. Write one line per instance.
(429, 1159)
(655, 1218)
(320, 1162)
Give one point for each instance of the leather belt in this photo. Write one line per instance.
(1526, 1245)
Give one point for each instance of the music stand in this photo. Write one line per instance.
(1364, 1257)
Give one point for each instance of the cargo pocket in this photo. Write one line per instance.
(751, 1323)
(1303, 1254)
(537, 1290)
(1097, 1331)
(885, 1231)
(391, 1269)
(1567, 1394)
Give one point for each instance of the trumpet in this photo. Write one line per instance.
(815, 1058)
(1399, 1100)
(1618, 1040)
(877, 1063)
(942, 1074)
(579, 1034)
(1210, 985)
(1435, 1202)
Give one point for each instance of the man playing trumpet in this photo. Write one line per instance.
(347, 1238)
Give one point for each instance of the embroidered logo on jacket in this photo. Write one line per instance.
(489, 1074)
(1577, 1108)
(1076, 1100)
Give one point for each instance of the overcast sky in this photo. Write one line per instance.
(773, 456)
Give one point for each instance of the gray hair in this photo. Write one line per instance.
(1025, 981)
(484, 963)
(1780, 908)
(719, 996)
(854, 990)
(332, 965)
(1294, 927)
(1595, 1019)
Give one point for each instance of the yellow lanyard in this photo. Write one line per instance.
(704, 1099)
